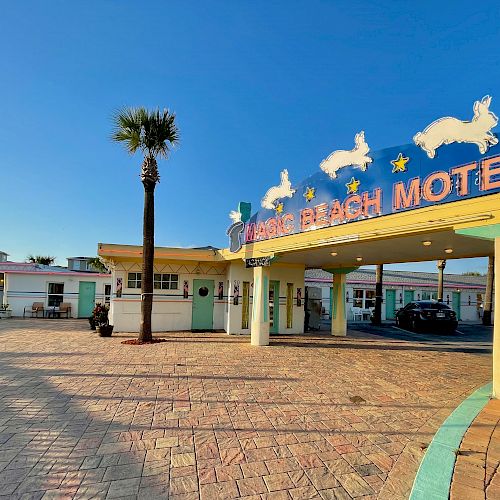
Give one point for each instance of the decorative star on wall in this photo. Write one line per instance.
(399, 164)
(352, 186)
(310, 193)
(279, 209)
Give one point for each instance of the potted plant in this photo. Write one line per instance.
(92, 322)
(101, 320)
(5, 312)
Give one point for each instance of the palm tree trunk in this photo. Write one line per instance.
(145, 334)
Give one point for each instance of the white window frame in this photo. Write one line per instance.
(49, 295)
(136, 281)
(429, 295)
(363, 299)
(358, 301)
(369, 299)
(165, 281)
(107, 297)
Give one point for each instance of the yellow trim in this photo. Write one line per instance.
(475, 212)
(287, 265)
(116, 252)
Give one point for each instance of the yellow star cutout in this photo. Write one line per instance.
(399, 163)
(279, 209)
(352, 186)
(309, 194)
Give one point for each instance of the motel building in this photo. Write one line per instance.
(463, 293)
(435, 198)
(23, 284)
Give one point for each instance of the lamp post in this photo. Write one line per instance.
(377, 313)
(440, 265)
(489, 291)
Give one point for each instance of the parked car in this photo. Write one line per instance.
(425, 314)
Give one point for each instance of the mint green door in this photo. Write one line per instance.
(203, 305)
(86, 298)
(456, 303)
(409, 294)
(274, 307)
(390, 304)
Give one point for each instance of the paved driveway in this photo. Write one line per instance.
(207, 415)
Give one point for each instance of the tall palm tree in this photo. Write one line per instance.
(154, 133)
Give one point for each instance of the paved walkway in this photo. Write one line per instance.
(208, 416)
(477, 474)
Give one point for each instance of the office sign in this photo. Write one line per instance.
(258, 262)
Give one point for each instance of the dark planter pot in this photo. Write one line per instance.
(92, 324)
(104, 330)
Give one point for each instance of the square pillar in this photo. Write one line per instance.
(339, 318)
(496, 323)
(260, 311)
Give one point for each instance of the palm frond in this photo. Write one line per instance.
(47, 260)
(153, 132)
(128, 124)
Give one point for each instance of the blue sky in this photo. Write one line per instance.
(257, 87)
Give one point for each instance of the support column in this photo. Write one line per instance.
(489, 291)
(6, 289)
(496, 323)
(440, 265)
(377, 314)
(260, 310)
(339, 318)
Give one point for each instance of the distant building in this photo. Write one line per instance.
(81, 264)
(464, 293)
(22, 284)
(3, 256)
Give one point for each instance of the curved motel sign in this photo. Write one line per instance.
(398, 179)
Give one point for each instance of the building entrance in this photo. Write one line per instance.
(274, 307)
(203, 305)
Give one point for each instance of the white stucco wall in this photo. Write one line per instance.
(171, 311)
(22, 289)
(237, 274)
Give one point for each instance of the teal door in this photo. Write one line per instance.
(390, 304)
(409, 294)
(86, 298)
(274, 307)
(203, 305)
(456, 303)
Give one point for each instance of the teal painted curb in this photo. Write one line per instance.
(433, 479)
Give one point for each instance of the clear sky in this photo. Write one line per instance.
(257, 87)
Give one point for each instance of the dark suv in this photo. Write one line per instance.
(423, 314)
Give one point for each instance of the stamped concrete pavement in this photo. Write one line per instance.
(209, 416)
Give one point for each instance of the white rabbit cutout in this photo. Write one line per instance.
(448, 130)
(274, 193)
(339, 159)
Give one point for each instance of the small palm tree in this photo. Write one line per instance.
(154, 133)
(46, 260)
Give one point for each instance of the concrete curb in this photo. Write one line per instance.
(433, 479)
